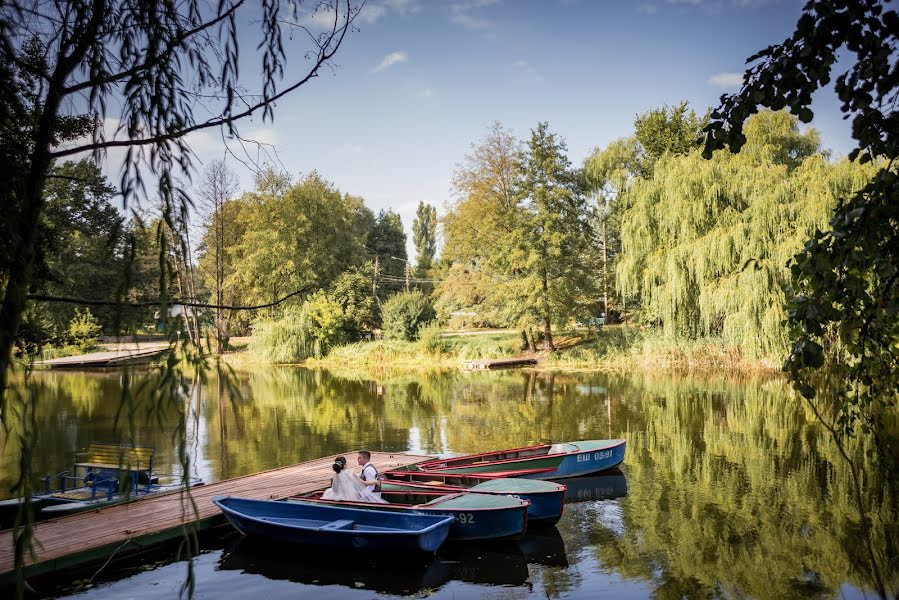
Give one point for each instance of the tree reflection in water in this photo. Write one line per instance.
(732, 489)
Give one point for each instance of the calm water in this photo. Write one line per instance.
(729, 488)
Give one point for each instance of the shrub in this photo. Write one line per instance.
(430, 337)
(288, 339)
(404, 313)
(84, 330)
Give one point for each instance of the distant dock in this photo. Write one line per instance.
(497, 363)
(94, 535)
(127, 355)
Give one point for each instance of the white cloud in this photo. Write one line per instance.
(370, 13)
(726, 80)
(426, 93)
(526, 74)
(348, 149)
(390, 60)
(461, 13)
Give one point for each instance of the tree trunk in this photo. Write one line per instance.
(524, 340)
(20, 268)
(547, 332)
(605, 277)
(547, 327)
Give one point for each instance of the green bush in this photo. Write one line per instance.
(430, 338)
(288, 339)
(404, 313)
(84, 330)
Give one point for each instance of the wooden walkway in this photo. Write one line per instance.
(95, 534)
(498, 363)
(113, 358)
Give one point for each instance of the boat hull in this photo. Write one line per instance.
(469, 523)
(545, 506)
(578, 463)
(306, 524)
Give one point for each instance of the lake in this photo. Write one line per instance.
(729, 488)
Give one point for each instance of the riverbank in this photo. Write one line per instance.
(609, 349)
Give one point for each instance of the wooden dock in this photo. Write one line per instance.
(113, 358)
(497, 363)
(93, 535)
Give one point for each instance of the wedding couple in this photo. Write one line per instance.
(346, 485)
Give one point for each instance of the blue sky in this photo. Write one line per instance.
(423, 79)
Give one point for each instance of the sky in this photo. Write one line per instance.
(421, 80)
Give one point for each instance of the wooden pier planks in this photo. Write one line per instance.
(498, 363)
(66, 541)
(112, 358)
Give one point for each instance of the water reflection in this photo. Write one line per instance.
(607, 486)
(486, 564)
(731, 488)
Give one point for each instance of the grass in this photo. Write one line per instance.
(614, 348)
(619, 348)
(447, 352)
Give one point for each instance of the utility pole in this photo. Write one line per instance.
(408, 274)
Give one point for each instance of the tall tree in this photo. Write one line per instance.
(424, 235)
(81, 243)
(556, 250)
(609, 173)
(216, 189)
(669, 129)
(480, 230)
(387, 241)
(294, 235)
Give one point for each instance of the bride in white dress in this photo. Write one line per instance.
(347, 486)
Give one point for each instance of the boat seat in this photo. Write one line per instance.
(115, 457)
(341, 524)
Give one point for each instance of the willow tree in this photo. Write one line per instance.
(706, 242)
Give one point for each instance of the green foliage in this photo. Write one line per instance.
(666, 130)
(705, 243)
(555, 250)
(424, 235)
(430, 338)
(388, 241)
(294, 235)
(519, 239)
(84, 329)
(352, 292)
(609, 174)
(287, 340)
(404, 313)
(480, 229)
(81, 249)
(845, 302)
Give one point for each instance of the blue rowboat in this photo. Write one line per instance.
(544, 461)
(547, 498)
(336, 527)
(476, 516)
